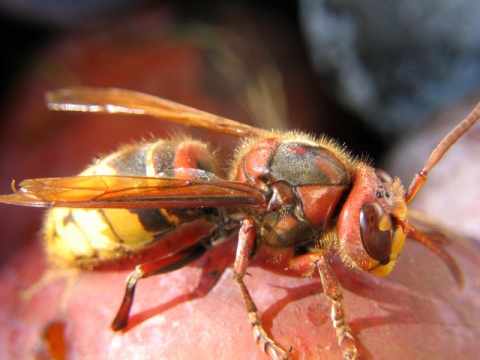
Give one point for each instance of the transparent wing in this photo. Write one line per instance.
(133, 192)
(111, 100)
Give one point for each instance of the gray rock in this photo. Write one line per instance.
(394, 62)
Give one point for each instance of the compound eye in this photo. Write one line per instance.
(377, 243)
(383, 176)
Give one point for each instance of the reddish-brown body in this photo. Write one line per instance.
(305, 182)
(285, 191)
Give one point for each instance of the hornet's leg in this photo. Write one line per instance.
(155, 267)
(169, 263)
(333, 290)
(305, 265)
(246, 243)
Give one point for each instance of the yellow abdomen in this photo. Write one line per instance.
(90, 237)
